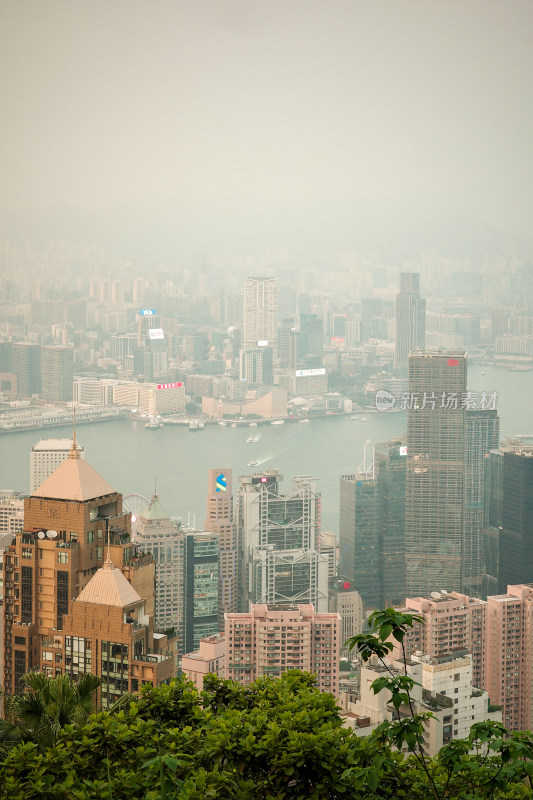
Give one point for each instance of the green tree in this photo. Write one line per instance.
(276, 739)
(45, 707)
(491, 763)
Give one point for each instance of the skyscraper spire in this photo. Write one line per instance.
(108, 558)
(74, 453)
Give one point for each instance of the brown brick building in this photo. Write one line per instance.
(52, 602)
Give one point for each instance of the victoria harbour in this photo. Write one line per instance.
(133, 458)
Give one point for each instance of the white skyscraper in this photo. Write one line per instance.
(46, 456)
(260, 313)
(159, 536)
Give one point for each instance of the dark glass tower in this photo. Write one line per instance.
(391, 462)
(359, 529)
(482, 436)
(516, 535)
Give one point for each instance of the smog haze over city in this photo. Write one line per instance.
(159, 129)
(266, 353)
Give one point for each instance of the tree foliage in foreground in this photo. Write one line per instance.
(274, 740)
(45, 707)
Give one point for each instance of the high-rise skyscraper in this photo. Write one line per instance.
(516, 535)
(57, 373)
(410, 318)
(371, 308)
(435, 479)
(391, 460)
(260, 313)
(359, 531)
(257, 366)
(492, 518)
(482, 436)
(311, 339)
(158, 535)
(146, 320)
(72, 522)
(46, 456)
(198, 587)
(278, 535)
(22, 359)
(346, 602)
(219, 519)
(155, 355)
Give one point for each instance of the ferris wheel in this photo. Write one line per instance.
(136, 504)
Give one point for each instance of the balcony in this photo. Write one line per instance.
(52, 644)
(139, 561)
(436, 701)
(152, 658)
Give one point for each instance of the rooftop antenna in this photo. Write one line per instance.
(362, 469)
(155, 486)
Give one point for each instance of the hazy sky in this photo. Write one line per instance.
(235, 117)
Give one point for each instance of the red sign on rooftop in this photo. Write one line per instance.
(169, 385)
(453, 362)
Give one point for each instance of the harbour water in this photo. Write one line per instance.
(131, 457)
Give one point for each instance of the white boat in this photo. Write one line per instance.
(253, 463)
(277, 422)
(253, 439)
(253, 425)
(222, 422)
(355, 419)
(234, 425)
(194, 425)
(303, 420)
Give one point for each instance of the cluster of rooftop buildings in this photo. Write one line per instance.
(245, 347)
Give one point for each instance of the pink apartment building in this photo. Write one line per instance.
(208, 659)
(454, 622)
(510, 655)
(269, 640)
(498, 633)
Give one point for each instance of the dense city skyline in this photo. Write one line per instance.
(266, 347)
